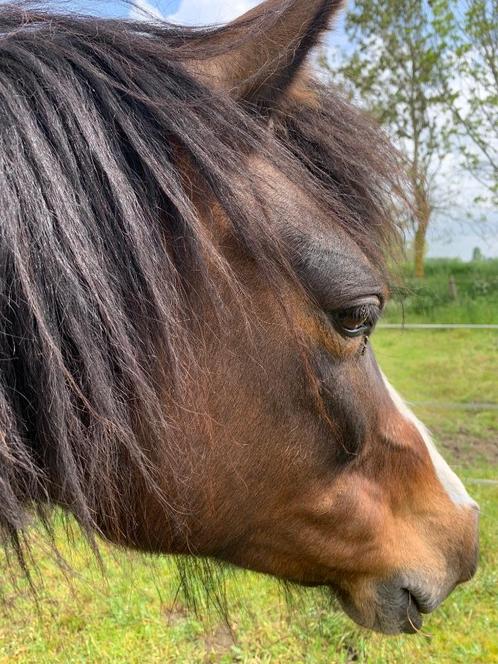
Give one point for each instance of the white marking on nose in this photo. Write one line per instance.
(449, 480)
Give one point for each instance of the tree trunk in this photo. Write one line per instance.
(420, 234)
(423, 214)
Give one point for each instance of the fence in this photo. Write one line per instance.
(436, 326)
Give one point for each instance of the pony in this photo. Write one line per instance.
(194, 240)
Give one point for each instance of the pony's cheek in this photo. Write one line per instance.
(357, 521)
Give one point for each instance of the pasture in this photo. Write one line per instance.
(137, 613)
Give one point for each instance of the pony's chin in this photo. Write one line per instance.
(394, 612)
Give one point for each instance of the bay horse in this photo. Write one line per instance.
(194, 237)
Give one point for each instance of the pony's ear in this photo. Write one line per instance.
(262, 52)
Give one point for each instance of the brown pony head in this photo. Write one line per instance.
(193, 244)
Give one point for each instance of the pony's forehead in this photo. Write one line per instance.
(321, 249)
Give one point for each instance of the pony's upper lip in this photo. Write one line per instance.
(428, 598)
(422, 603)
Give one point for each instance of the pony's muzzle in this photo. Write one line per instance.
(397, 605)
(425, 594)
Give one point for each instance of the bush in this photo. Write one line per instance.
(431, 299)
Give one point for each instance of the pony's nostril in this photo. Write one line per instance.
(469, 567)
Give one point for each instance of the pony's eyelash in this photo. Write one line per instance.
(367, 312)
(358, 320)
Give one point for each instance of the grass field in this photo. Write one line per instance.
(137, 614)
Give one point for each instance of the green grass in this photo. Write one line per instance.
(443, 367)
(136, 614)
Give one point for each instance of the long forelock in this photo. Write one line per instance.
(102, 250)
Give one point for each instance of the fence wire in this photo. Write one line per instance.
(436, 326)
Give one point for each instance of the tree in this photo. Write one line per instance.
(398, 69)
(472, 95)
(477, 254)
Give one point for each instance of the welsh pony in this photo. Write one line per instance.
(194, 239)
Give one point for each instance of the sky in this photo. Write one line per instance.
(447, 237)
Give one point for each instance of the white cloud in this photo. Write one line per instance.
(195, 12)
(143, 11)
(210, 12)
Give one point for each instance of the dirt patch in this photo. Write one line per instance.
(465, 449)
(218, 643)
(174, 612)
(352, 655)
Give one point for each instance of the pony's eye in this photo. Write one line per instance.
(358, 320)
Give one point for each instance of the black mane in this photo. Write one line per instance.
(102, 252)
